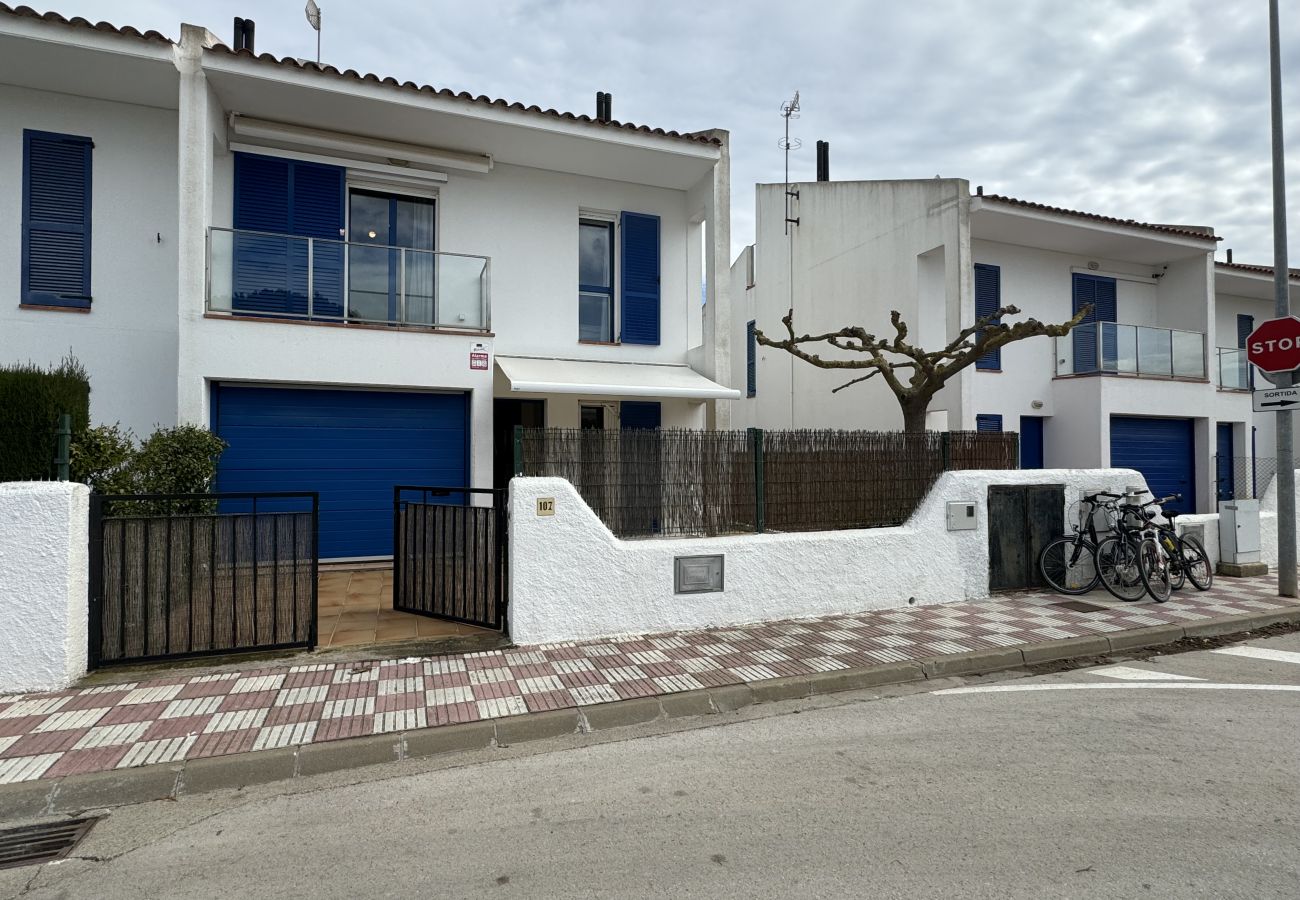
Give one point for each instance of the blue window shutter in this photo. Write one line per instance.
(988, 300)
(751, 360)
(56, 219)
(640, 243)
(287, 197)
(988, 422)
(1245, 325)
(1101, 293)
(635, 414)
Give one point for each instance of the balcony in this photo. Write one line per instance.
(276, 276)
(1234, 369)
(1108, 348)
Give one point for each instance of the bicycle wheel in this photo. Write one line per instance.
(1177, 571)
(1117, 565)
(1195, 562)
(1068, 566)
(1153, 565)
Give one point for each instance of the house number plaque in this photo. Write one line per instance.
(546, 506)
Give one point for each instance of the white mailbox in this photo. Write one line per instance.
(1239, 531)
(961, 515)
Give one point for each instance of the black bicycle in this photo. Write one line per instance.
(1069, 564)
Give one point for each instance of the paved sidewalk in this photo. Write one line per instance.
(187, 717)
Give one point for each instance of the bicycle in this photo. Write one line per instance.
(1069, 564)
(1119, 564)
(1188, 560)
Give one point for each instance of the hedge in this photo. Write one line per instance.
(31, 401)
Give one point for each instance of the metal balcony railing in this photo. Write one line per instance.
(267, 275)
(1103, 348)
(1234, 369)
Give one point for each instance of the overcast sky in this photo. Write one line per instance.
(1154, 110)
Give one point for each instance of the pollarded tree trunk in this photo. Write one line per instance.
(914, 414)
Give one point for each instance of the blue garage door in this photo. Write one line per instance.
(1162, 450)
(350, 446)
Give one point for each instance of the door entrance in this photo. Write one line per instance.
(390, 258)
(449, 554)
(506, 415)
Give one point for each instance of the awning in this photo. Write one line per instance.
(609, 379)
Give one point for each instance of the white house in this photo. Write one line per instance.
(1243, 298)
(356, 281)
(1134, 387)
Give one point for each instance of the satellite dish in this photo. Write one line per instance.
(313, 14)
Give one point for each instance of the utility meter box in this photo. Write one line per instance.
(1239, 531)
(961, 515)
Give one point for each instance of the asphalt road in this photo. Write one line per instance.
(1090, 783)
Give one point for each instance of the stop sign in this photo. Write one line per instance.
(1274, 346)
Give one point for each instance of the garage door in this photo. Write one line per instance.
(1162, 450)
(350, 446)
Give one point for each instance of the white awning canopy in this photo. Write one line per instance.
(609, 379)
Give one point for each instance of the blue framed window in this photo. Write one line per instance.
(56, 220)
(988, 300)
(988, 422)
(751, 360)
(595, 280)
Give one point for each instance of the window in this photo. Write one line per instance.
(593, 418)
(751, 360)
(56, 220)
(637, 273)
(988, 422)
(640, 414)
(988, 300)
(595, 281)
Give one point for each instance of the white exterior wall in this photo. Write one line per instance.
(571, 579)
(44, 567)
(859, 251)
(127, 340)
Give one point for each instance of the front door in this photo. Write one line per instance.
(506, 415)
(390, 258)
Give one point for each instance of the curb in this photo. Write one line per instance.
(164, 781)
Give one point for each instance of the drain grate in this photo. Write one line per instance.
(1079, 606)
(32, 844)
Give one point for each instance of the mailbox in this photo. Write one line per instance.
(961, 515)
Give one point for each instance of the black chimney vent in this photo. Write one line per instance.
(604, 106)
(1229, 256)
(823, 161)
(244, 29)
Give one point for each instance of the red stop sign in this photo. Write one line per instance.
(1274, 346)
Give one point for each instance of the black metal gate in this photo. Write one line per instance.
(449, 554)
(1022, 520)
(178, 575)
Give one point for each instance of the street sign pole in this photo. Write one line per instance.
(1286, 525)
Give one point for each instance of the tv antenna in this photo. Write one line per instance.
(313, 19)
(789, 110)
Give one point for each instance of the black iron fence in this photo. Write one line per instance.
(450, 554)
(684, 482)
(177, 575)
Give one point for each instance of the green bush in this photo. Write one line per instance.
(31, 401)
(180, 460)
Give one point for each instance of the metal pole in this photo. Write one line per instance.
(1286, 525)
(64, 459)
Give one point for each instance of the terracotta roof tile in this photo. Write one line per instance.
(1256, 270)
(26, 12)
(352, 74)
(1178, 230)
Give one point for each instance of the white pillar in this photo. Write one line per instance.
(44, 569)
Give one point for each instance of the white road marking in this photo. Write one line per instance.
(1127, 685)
(1129, 673)
(1286, 656)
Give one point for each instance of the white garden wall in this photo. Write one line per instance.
(572, 579)
(43, 590)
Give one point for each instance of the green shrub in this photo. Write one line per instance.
(31, 401)
(101, 458)
(180, 460)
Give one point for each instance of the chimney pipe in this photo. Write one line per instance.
(823, 161)
(604, 106)
(249, 29)
(1229, 256)
(238, 43)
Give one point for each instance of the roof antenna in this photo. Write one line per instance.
(313, 19)
(789, 110)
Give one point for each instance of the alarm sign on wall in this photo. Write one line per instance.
(478, 359)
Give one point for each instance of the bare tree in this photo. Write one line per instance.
(893, 358)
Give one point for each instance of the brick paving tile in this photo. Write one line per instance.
(191, 716)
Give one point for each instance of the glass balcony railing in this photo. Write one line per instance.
(1101, 348)
(1234, 369)
(253, 273)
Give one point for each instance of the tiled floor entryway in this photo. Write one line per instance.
(356, 607)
